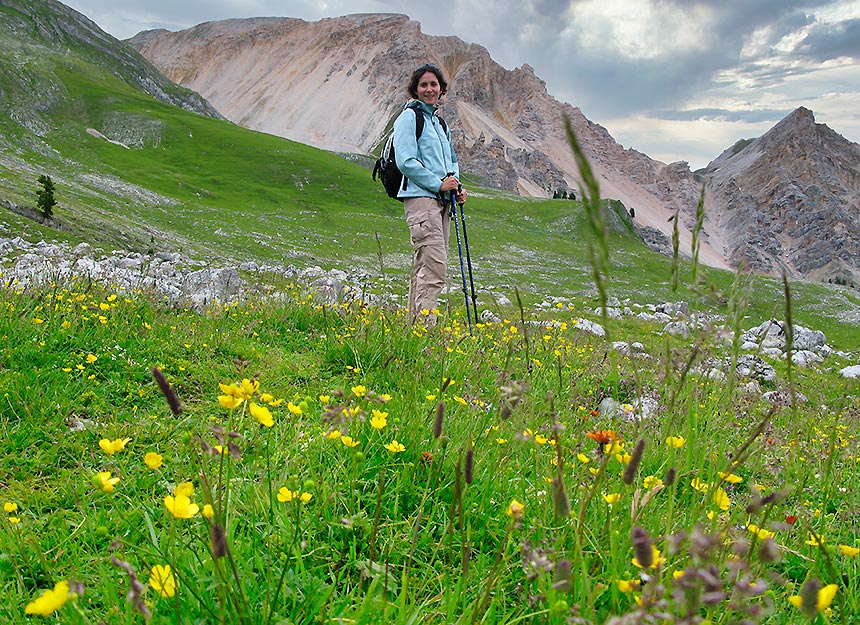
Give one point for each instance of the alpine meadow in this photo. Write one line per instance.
(621, 437)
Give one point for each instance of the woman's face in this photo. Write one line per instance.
(429, 88)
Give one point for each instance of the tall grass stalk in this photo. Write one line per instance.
(598, 244)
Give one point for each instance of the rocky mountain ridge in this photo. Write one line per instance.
(791, 198)
(336, 84)
(32, 27)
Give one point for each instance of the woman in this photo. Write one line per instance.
(431, 173)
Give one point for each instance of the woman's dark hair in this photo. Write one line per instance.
(412, 88)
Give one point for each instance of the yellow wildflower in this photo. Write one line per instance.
(261, 414)
(379, 420)
(515, 509)
(628, 585)
(848, 550)
(162, 580)
(624, 458)
(50, 600)
(731, 478)
(652, 481)
(395, 447)
(248, 388)
(181, 506)
(184, 488)
(825, 598)
(699, 485)
(229, 402)
(104, 481)
(760, 531)
(722, 499)
(153, 460)
(110, 447)
(285, 495)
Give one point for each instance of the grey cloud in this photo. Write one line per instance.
(831, 41)
(755, 116)
(616, 86)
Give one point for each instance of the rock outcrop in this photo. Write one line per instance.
(789, 201)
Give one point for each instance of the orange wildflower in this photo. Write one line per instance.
(602, 437)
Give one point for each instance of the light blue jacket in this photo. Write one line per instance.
(424, 163)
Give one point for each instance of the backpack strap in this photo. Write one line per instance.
(419, 119)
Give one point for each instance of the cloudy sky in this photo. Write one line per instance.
(676, 79)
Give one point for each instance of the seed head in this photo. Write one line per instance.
(468, 469)
(670, 476)
(168, 392)
(809, 597)
(218, 539)
(642, 547)
(560, 500)
(633, 465)
(437, 422)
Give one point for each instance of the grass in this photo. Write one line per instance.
(431, 533)
(319, 463)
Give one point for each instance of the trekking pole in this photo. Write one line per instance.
(460, 252)
(469, 261)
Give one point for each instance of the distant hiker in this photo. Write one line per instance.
(430, 167)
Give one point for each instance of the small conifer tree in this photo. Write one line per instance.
(46, 201)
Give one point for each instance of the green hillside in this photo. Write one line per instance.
(165, 179)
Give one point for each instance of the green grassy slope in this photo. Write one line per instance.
(212, 190)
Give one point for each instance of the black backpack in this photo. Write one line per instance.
(386, 165)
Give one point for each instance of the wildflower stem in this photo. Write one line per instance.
(269, 476)
(492, 576)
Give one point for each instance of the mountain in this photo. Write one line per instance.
(786, 202)
(154, 182)
(31, 29)
(338, 83)
(790, 201)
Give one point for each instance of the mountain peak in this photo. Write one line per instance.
(801, 113)
(800, 118)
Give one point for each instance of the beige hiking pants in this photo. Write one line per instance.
(429, 222)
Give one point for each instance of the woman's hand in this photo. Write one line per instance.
(461, 195)
(449, 183)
